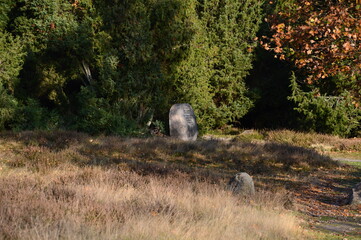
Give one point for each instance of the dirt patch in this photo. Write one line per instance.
(349, 228)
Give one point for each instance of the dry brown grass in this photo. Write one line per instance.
(319, 142)
(313, 140)
(70, 202)
(41, 150)
(65, 185)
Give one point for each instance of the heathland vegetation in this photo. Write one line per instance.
(83, 81)
(69, 185)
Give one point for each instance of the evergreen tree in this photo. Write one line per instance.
(58, 37)
(11, 61)
(114, 65)
(221, 54)
(5, 8)
(327, 114)
(147, 39)
(193, 74)
(231, 26)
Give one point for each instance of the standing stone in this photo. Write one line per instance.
(355, 197)
(241, 184)
(182, 122)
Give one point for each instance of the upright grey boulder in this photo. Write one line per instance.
(182, 122)
(241, 184)
(355, 197)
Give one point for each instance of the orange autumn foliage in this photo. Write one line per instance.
(322, 38)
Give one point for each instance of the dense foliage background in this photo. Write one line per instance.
(116, 66)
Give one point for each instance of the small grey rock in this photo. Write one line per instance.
(241, 184)
(355, 197)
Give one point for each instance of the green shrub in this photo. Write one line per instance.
(336, 115)
(97, 116)
(5, 8)
(11, 60)
(8, 106)
(32, 116)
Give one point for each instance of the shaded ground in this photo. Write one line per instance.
(325, 200)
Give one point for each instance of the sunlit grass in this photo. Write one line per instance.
(74, 186)
(355, 164)
(331, 145)
(71, 202)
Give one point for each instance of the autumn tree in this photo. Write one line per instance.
(322, 38)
